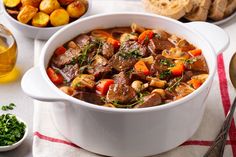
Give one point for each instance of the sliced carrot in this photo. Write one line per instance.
(114, 42)
(56, 78)
(177, 70)
(195, 52)
(148, 34)
(141, 68)
(195, 83)
(103, 86)
(60, 50)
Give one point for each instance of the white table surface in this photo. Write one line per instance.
(12, 92)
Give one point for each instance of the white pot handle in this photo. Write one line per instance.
(34, 86)
(218, 38)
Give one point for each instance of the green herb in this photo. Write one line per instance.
(78, 84)
(134, 33)
(103, 99)
(166, 62)
(127, 37)
(156, 35)
(11, 130)
(137, 100)
(100, 44)
(129, 72)
(164, 74)
(146, 40)
(178, 80)
(74, 61)
(131, 54)
(8, 107)
(84, 55)
(190, 61)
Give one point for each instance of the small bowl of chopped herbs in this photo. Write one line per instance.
(13, 132)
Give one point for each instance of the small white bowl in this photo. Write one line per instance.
(13, 146)
(42, 33)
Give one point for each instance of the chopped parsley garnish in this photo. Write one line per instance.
(156, 35)
(8, 107)
(130, 54)
(146, 40)
(166, 62)
(173, 86)
(137, 100)
(11, 130)
(190, 61)
(165, 74)
(74, 60)
(84, 55)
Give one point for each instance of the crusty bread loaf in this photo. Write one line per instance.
(199, 11)
(217, 9)
(174, 8)
(230, 8)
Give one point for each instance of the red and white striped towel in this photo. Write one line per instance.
(49, 143)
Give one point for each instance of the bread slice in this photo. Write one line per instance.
(199, 11)
(171, 8)
(230, 8)
(217, 9)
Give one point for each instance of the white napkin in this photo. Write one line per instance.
(49, 143)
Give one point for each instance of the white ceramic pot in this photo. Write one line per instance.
(31, 31)
(127, 132)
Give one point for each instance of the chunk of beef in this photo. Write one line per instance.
(107, 50)
(185, 45)
(162, 35)
(82, 40)
(122, 78)
(136, 76)
(70, 71)
(169, 94)
(99, 66)
(183, 89)
(153, 99)
(156, 45)
(187, 76)
(66, 58)
(160, 65)
(102, 71)
(120, 63)
(89, 97)
(197, 64)
(120, 93)
(133, 46)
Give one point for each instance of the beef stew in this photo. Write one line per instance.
(128, 67)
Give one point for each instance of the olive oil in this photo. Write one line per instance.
(8, 55)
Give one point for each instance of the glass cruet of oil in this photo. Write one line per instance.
(8, 51)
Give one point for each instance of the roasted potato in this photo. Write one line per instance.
(41, 19)
(48, 6)
(59, 17)
(11, 3)
(26, 13)
(76, 9)
(65, 2)
(34, 3)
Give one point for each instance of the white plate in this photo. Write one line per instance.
(10, 147)
(224, 20)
